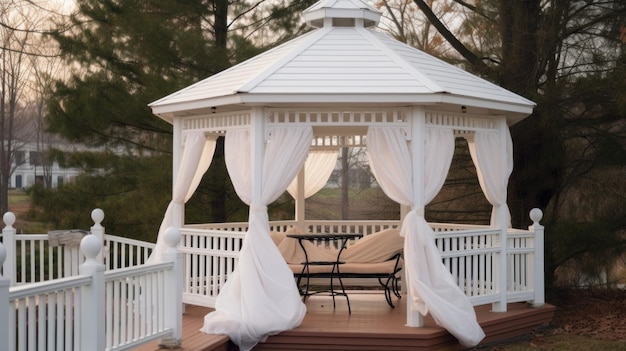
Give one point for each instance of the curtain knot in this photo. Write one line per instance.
(258, 208)
(420, 211)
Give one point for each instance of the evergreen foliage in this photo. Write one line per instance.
(124, 55)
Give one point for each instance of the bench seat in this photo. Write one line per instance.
(378, 255)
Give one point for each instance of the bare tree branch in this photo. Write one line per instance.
(476, 61)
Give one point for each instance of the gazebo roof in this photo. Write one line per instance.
(342, 63)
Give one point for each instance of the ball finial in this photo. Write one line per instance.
(97, 215)
(9, 219)
(90, 246)
(536, 215)
(172, 237)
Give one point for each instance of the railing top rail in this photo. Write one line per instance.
(520, 233)
(31, 236)
(213, 232)
(465, 233)
(33, 289)
(456, 226)
(124, 240)
(137, 270)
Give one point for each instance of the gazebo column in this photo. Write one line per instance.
(257, 143)
(502, 223)
(178, 217)
(300, 201)
(418, 134)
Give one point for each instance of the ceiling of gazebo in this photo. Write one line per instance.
(338, 65)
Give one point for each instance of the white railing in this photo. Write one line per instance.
(120, 252)
(141, 303)
(209, 257)
(211, 252)
(471, 253)
(32, 258)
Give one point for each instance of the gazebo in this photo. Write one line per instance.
(344, 84)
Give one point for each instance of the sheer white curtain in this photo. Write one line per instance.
(196, 158)
(430, 282)
(260, 298)
(493, 176)
(317, 169)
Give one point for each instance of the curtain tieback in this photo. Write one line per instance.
(258, 208)
(420, 211)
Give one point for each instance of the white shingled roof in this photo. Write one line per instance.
(344, 62)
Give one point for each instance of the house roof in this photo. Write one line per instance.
(343, 62)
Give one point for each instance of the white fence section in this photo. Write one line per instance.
(32, 258)
(470, 252)
(120, 252)
(142, 303)
(210, 256)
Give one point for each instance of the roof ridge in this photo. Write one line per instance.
(429, 83)
(261, 76)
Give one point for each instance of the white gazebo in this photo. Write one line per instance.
(345, 84)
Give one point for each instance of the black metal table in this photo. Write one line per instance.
(341, 239)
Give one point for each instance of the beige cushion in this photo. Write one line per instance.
(376, 247)
(277, 237)
(292, 252)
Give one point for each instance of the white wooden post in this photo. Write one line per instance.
(418, 135)
(178, 210)
(8, 240)
(538, 264)
(4, 303)
(501, 268)
(173, 298)
(300, 206)
(92, 300)
(97, 216)
(257, 143)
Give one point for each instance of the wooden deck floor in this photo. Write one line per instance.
(373, 325)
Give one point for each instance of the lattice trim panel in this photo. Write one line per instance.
(338, 141)
(462, 123)
(337, 117)
(218, 122)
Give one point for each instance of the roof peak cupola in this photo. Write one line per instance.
(341, 13)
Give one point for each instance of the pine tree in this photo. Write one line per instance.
(126, 54)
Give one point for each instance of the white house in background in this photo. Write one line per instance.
(29, 168)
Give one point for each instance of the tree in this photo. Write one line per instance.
(21, 27)
(567, 56)
(406, 23)
(128, 54)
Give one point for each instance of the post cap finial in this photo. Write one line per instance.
(90, 246)
(97, 216)
(9, 219)
(172, 237)
(536, 215)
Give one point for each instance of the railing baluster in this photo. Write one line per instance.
(31, 322)
(41, 322)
